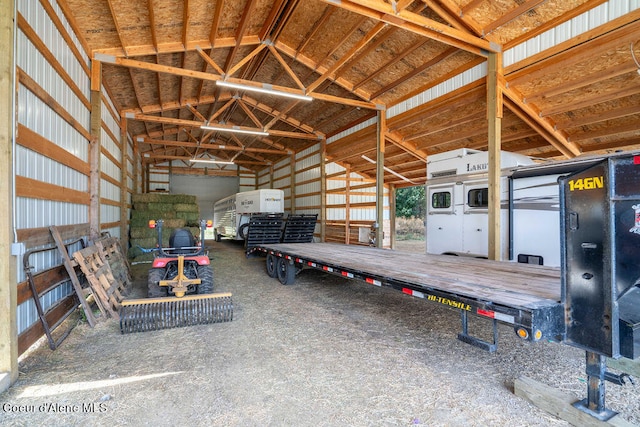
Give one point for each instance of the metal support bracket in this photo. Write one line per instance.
(475, 341)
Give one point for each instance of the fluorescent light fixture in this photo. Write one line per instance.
(236, 129)
(264, 88)
(217, 162)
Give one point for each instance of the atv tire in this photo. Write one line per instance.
(205, 273)
(154, 290)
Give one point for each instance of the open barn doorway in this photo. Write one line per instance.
(411, 210)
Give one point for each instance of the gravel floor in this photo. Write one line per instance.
(323, 352)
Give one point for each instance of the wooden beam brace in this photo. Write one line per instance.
(543, 126)
(384, 12)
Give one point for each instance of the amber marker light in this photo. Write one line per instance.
(522, 333)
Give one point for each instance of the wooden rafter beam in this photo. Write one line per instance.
(452, 14)
(514, 13)
(591, 100)
(277, 19)
(553, 23)
(286, 67)
(543, 126)
(149, 157)
(350, 54)
(384, 12)
(566, 55)
(209, 60)
(597, 117)
(451, 100)
(245, 60)
(177, 71)
(186, 19)
(118, 29)
(370, 47)
(582, 81)
(175, 47)
(152, 23)
(240, 31)
(207, 146)
(458, 120)
(426, 65)
(249, 113)
(281, 117)
(396, 58)
(194, 123)
(314, 29)
(215, 23)
(408, 147)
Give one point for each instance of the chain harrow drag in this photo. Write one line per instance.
(153, 314)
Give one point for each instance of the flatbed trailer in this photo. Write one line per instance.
(592, 302)
(524, 296)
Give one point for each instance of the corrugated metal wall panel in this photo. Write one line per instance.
(36, 213)
(39, 117)
(109, 213)
(109, 191)
(356, 128)
(32, 165)
(580, 24)
(469, 76)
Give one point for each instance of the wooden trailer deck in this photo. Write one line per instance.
(523, 295)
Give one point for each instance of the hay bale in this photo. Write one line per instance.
(176, 210)
(186, 207)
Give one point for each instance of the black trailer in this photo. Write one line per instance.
(592, 302)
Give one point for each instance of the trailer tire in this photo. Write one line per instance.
(286, 271)
(243, 231)
(272, 265)
(154, 290)
(205, 273)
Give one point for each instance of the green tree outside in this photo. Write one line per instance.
(410, 202)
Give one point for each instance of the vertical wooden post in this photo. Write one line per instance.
(271, 176)
(347, 206)
(94, 150)
(494, 119)
(380, 149)
(292, 184)
(146, 167)
(136, 170)
(8, 289)
(124, 188)
(392, 215)
(323, 189)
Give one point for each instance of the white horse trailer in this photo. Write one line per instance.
(231, 215)
(457, 205)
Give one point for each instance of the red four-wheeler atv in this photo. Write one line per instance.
(182, 268)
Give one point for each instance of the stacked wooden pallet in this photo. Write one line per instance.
(107, 272)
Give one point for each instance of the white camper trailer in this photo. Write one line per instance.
(457, 199)
(231, 215)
